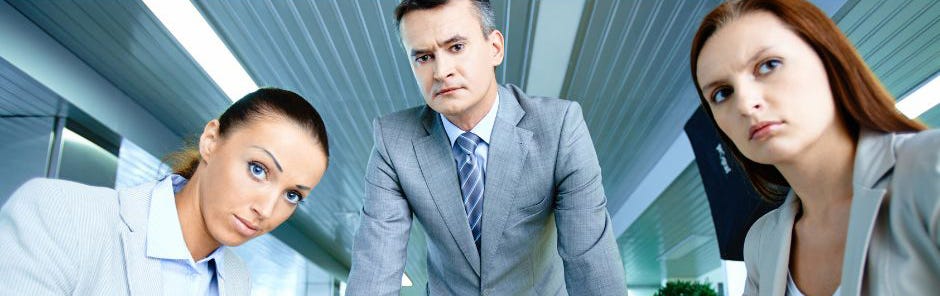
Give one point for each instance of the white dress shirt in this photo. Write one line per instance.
(181, 274)
(793, 290)
(483, 129)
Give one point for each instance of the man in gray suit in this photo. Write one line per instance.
(507, 186)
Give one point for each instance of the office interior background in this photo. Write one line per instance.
(98, 91)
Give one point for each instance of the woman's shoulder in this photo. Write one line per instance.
(54, 190)
(62, 201)
(763, 225)
(56, 231)
(916, 177)
(919, 151)
(46, 183)
(917, 164)
(761, 229)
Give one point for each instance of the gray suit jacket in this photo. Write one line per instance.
(542, 175)
(893, 241)
(64, 238)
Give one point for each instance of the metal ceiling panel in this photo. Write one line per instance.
(21, 95)
(932, 117)
(516, 19)
(630, 72)
(900, 40)
(127, 45)
(674, 237)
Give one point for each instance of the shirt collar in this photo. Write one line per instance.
(164, 232)
(483, 129)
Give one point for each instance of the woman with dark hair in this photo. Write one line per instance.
(252, 167)
(811, 125)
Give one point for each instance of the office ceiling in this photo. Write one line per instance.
(628, 69)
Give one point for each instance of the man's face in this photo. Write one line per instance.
(452, 60)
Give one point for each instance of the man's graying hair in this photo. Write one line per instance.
(483, 9)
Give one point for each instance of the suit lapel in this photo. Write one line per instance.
(144, 276)
(440, 173)
(874, 158)
(507, 153)
(232, 279)
(865, 205)
(226, 288)
(775, 275)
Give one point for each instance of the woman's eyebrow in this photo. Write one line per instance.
(750, 61)
(276, 163)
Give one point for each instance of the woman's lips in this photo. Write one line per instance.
(244, 227)
(763, 130)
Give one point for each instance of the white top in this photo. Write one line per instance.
(792, 290)
(181, 274)
(483, 129)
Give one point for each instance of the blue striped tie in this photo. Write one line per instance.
(471, 181)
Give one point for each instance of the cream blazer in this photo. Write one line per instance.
(894, 226)
(64, 238)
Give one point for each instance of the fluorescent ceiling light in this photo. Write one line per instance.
(405, 281)
(921, 99)
(71, 136)
(192, 31)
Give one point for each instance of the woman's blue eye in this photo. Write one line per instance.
(722, 94)
(293, 197)
(257, 170)
(768, 66)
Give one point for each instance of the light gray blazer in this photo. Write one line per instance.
(542, 175)
(893, 241)
(64, 238)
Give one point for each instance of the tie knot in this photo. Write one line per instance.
(467, 142)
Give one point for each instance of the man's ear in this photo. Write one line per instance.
(497, 46)
(209, 139)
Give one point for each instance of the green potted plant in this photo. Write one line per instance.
(684, 288)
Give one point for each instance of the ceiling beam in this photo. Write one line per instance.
(674, 161)
(556, 30)
(30, 49)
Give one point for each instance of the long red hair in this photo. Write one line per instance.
(860, 99)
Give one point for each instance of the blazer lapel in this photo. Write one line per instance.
(507, 153)
(874, 158)
(440, 173)
(144, 275)
(232, 278)
(865, 205)
(775, 275)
